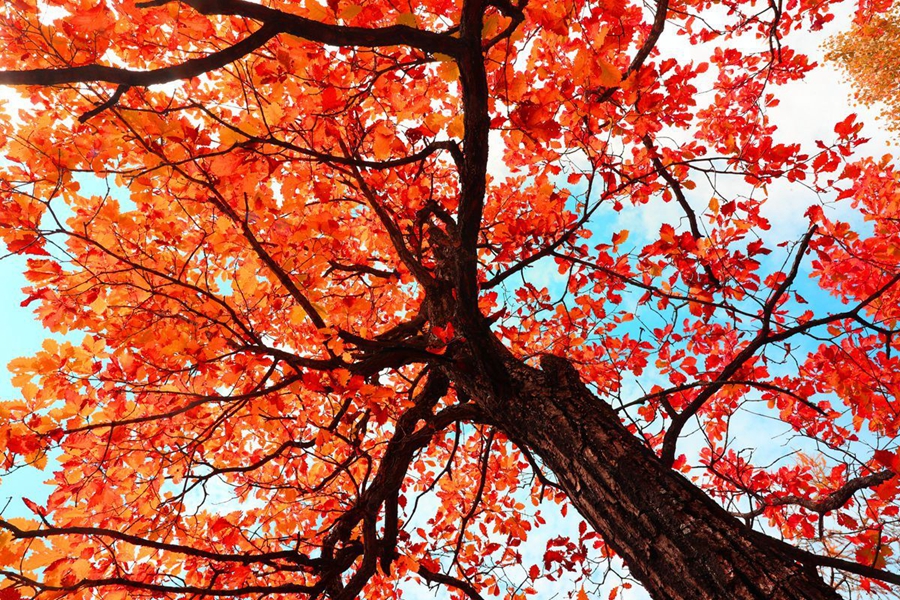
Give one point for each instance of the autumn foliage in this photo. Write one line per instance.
(343, 301)
(867, 54)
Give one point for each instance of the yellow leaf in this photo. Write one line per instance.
(406, 563)
(39, 461)
(8, 552)
(29, 390)
(407, 18)
(490, 25)
(320, 309)
(598, 38)
(714, 204)
(435, 121)
(456, 128)
(317, 12)
(99, 305)
(80, 568)
(381, 147)
(298, 316)
(229, 137)
(317, 471)
(448, 71)
(350, 12)
(610, 75)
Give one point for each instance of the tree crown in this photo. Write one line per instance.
(312, 252)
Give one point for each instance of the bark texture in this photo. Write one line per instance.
(675, 540)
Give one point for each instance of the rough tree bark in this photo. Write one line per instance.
(675, 540)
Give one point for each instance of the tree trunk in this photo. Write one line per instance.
(675, 539)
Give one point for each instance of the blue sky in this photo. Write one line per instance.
(20, 335)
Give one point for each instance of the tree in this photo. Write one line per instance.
(867, 53)
(316, 361)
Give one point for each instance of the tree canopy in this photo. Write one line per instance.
(342, 304)
(867, 53)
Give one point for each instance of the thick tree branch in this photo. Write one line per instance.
(112, 101)
(816, 560)
(400, 451)
(331, 35)
(125, 77)
(473, 175)
(659, 23)
(193, 590)
(136, 540)
(830, 502)
(356, 269)
(436, 577)
(274, 22)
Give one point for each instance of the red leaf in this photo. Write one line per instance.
(34, 507)
(847, 127)
(27, 245)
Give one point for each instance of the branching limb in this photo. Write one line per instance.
(273, 21)
(331, 35)
(552, 248)
(400, 451)
(832, 501)
(136, 540)
(816, 560)
(436, 577)
(112, 101)
(346, 160)
(125, 77)
(677, 190)
(655, 291)
(387, 221)
(659, 23)
(763, 338)
(695, 384)
(778, 294)
(193, 590)
(516, 16)
(464, 522)
(199, 401)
